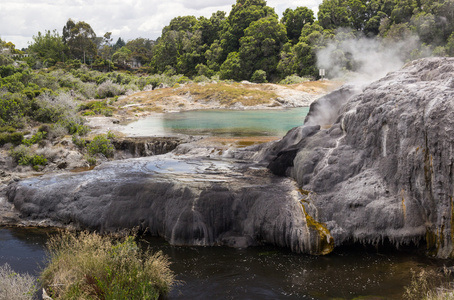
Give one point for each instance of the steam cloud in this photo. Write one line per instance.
(370, 59)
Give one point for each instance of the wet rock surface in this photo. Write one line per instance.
(375, 167)
(383, 170)
(187, 201)
(128, 147)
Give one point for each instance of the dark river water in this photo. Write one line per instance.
(252, 273)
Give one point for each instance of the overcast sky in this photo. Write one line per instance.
(20, 20)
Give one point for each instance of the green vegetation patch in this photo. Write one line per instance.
(23, 156)
(96, 108)
(90, 266)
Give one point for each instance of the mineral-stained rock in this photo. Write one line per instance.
(383, 171)
(186, 201)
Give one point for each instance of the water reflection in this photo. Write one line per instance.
(270, 273)
(23, 249)
(220, 123)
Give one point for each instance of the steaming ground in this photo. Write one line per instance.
(371, 59)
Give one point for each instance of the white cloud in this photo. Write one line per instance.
(128, 19)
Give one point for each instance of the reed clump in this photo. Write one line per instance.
(430, 285)
(90, 266)
(16, 286)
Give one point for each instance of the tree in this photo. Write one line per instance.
(210, 28)
(122, 57)
(231, 68)
(186, 23)
(105, 50)
(120, 43)
(80, 39)
(141, 50)
(357, 14)
(168, 48)
(294, 20)
(243, 13)
(333, 14)
(48, 48)
(403, 11)
(261, 45)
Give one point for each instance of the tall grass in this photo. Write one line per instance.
(430, 285)
(91, 266)
(16, 286)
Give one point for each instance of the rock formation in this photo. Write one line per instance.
(370, 166)
(383, 170)
(186, 201)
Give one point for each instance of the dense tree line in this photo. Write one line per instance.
(252, 39)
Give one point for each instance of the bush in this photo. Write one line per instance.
(91, 160)
(7, 129)
(293, 79)
(20, 153)
(109, 89)
(74, 126)
(259, 76)
(90, 266)
(36, 138)
(78, 141)
(96, 108)
(16, 286)
(14, 138)
(102, 145)
(23, 156)
(53, 108)
(12, 108)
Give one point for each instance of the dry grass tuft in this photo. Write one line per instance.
(430, 285)
(91, 266)
(16, 286)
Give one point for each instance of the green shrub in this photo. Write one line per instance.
(96, 108)
(20, 153)
(36, 138)
(259, 76)
(102, 145)
(90, 266)
(88, 113)
(90, 160)
(12, 108)
(14, 138)
(9, 129)
(293, 79)
(111, 135)
(23, 156)
(16, 286)
(78, 141)
(74, 126)
(37, 161)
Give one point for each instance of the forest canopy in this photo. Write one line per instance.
(253, 38)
